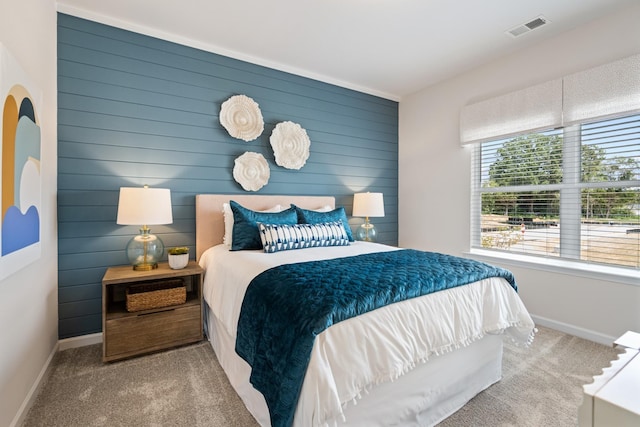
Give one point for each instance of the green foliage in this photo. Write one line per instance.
(179, 250)
(528, 160)
(608, 202)
(536, 160)
(499, 203)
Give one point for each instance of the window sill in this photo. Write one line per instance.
(591, 271)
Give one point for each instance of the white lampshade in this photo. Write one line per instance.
(144, 206)
(368, 205)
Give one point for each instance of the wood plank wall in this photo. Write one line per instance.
(135, 110)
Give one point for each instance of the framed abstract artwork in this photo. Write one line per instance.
(20, 168)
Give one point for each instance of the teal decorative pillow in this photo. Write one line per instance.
(284, 237)
(306, 216)
(228, 221)
(245, 225)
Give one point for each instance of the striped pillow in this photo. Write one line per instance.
(284, 237)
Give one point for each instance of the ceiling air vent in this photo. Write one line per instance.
(528, 26)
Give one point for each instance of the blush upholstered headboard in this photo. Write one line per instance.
(210, 220)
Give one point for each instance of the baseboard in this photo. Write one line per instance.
(574, 330)
(34, 391)
(81, 341)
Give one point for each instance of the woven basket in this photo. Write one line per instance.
(150, 295)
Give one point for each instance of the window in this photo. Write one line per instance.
(571, 193)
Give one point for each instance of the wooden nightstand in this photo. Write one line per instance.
(126, 334)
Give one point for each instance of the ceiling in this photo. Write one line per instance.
(389, 48)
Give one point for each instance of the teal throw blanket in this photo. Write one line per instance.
(285, 307)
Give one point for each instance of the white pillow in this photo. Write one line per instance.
(325, 208)
(228, 221)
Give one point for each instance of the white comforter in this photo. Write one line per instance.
(393, 339)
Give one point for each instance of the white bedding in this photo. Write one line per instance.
(399, 337)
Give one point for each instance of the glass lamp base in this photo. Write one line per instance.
(145, 250)
(366, 233)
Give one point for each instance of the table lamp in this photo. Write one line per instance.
(367, 205)
(144, 206)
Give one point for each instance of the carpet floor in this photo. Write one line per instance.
(541, 386)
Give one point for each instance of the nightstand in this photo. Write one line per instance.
(612, 398)
(126, 334)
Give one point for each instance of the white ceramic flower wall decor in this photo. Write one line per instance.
(290, 144)
(251, 171)
(241, 117)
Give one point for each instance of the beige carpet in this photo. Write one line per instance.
(180, 387)
(541, 386)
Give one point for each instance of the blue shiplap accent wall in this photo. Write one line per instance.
(135, 110)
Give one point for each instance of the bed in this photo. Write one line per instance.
(413, 362)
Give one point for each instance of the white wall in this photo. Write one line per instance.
(28, 298)
(435, 172)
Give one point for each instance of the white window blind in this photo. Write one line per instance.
(534, 108)
(570, 193)
(603, 91)
(609, 90)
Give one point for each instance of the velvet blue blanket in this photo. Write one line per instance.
(285, 307)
